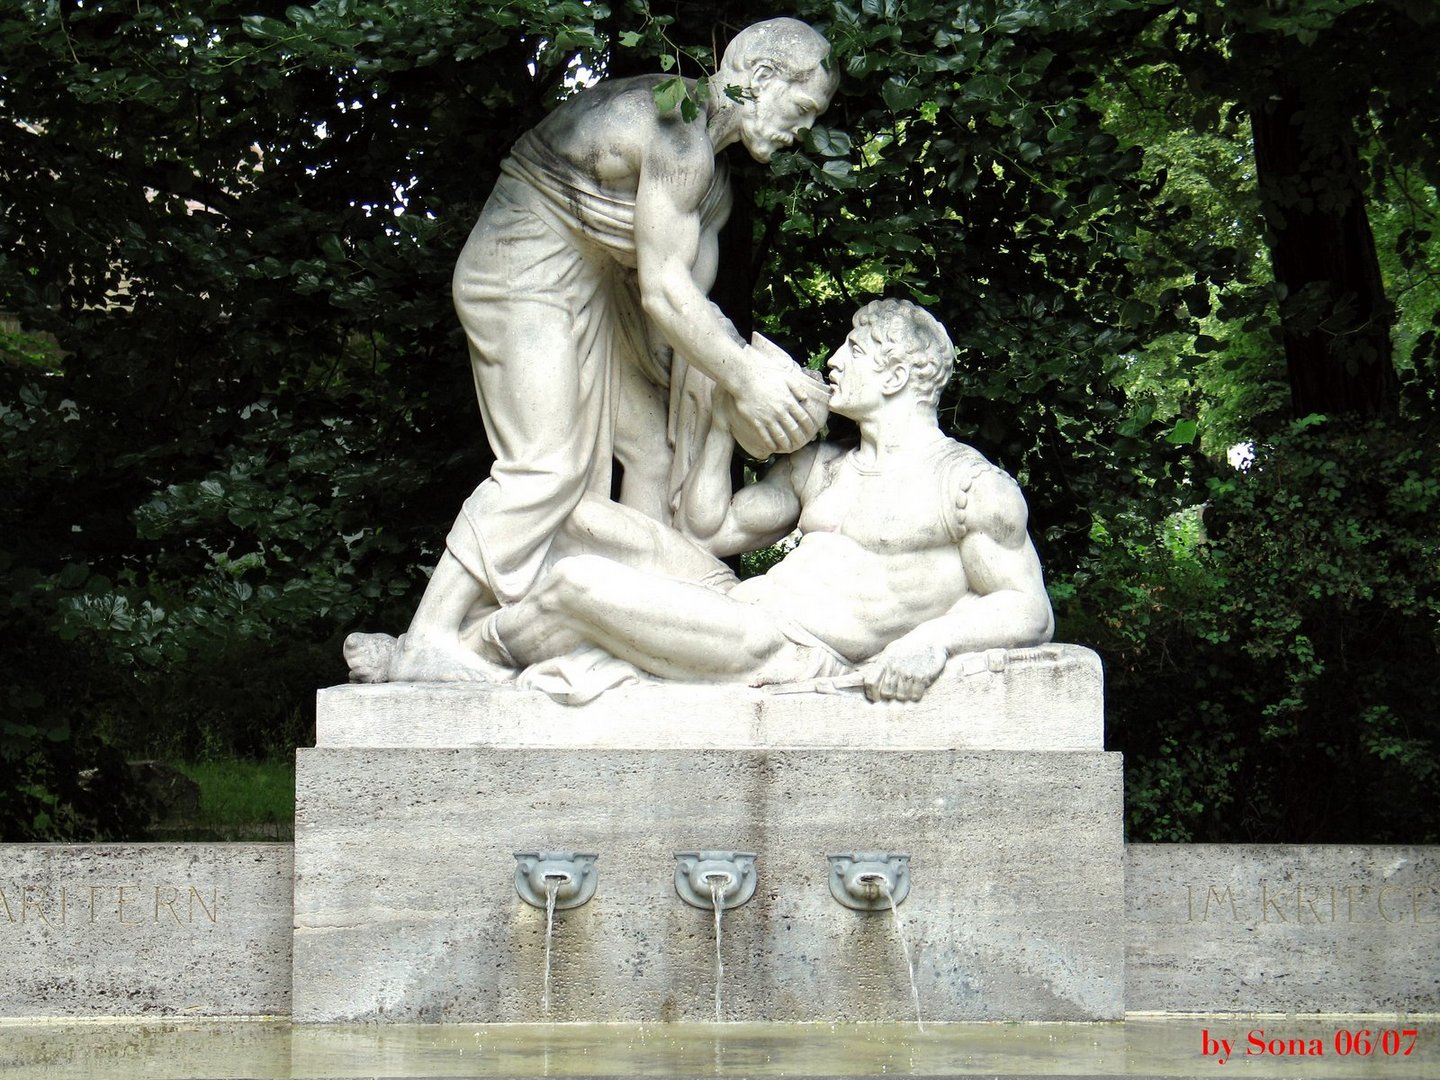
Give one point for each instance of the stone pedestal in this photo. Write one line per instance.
(412, 806)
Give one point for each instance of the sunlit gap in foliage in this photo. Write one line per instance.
(400, 207)
(578, 75)
(400, 188)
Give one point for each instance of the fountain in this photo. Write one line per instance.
(892, 677)
(715, 880)
(877, 881)
(402, 916)
(592, 663)
(870, 881)
(554, 881)
(904, 950)
(560, 880)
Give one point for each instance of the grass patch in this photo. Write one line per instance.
(239, 800)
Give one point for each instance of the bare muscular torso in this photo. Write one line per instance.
(609, 133)
(875, 558)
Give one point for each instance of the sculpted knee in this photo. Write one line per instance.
(760, 640)
(572, 582)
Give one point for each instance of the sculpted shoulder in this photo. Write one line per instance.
(990, 501)
(613, 130)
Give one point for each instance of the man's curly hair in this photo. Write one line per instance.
(900, 328)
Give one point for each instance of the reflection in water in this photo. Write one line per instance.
(274, 1050)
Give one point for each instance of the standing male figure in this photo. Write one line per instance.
(587, 270)
(913, 547)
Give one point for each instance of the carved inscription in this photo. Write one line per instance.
(1308, 904)
(129, 904)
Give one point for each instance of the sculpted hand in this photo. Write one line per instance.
(778, 406)
(903, 672)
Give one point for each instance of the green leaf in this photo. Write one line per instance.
(669, 94)
(898, 96)
(1136, 313)
(1183, 433)
(838, 172)
(1197, 300)
(1101, 194)
(830, 142)
(73, 576)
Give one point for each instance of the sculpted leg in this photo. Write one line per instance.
(642, 444)
(546, 345)
(600, 527)
(431, 650)
(543, 396)
(674, 629)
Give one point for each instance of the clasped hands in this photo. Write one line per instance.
(775, 405)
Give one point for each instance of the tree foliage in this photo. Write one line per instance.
(968, 164)
(236, 418)
(1263, 663)
(1328, 131)
(237, 231)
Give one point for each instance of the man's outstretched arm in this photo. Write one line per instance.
(1006, 605)
(756, 515)
(676, 262)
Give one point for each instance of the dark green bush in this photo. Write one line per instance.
(1274, 679)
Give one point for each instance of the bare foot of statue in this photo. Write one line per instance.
(430, 659)
(369, 657)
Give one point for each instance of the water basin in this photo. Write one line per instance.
(1141, 1046)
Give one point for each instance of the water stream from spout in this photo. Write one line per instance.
(717, 897)
(905, 948)
(552, 889)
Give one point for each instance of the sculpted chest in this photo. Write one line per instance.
(895, 508)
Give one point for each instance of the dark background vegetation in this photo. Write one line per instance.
(236, 417)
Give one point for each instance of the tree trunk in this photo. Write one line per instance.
(1334, 314)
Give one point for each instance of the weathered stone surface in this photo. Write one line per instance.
(1282, 928)
(1219, 929)
(406, 908)
(145, 929)
(1045, 698)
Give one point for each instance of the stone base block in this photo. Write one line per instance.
(144, 930)
(406, 907)
(1046, 698)
(1257, 928)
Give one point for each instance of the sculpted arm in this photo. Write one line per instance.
(675, 257)
(1005, 606)
(756, 515)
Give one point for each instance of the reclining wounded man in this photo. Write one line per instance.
(912, 549)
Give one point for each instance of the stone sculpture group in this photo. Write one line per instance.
(583, 294)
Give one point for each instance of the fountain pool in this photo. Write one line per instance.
(1148, 1046)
